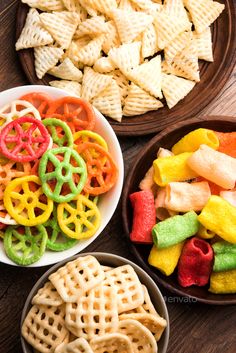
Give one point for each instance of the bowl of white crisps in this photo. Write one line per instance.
(96, 302)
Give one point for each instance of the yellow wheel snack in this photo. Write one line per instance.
(79, 218)
(25, 202)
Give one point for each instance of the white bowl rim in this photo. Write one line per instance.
(119, 258)
(117, 189)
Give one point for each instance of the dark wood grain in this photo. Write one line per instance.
(166, 139)
(213, 77)
(195, 328)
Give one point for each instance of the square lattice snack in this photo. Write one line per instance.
(44, 327)
(94, 313)
(77, 277)
(47, 295)
(129, 290)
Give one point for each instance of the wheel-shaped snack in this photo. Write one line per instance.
(60, 132)
(39, 100)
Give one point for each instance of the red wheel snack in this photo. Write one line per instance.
(76, 112)
(195, 263)
(24, 139)
(144, 216)
(40, 101)
(101, 168)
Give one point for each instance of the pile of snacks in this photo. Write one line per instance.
(187, 208)
(122, 56)
(86, 307)
(53, 168)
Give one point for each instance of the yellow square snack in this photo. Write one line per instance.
(112, 343)
(153, 323)
(94, 313)
(33, 33)
(72, 87)
(46, 57)
(130, 24)
(112, 39)
(67, 71)
(139, 101)
(149, 41)
(203, 12)
(79, 345)
(93, 83)
(185, 64)
(148, 76)
(104, 65)
(61, 25)
(47, 295)
(127, 285)
(122, 82)
(147, 307)
(175, 88)
(168, 27)
(77, 277)
(45, 5)
(92, 26)
(177, 45)
(203, 44)
(141, 338)
(126, 57)
(44, 327)
(89, 53)
(108, 102)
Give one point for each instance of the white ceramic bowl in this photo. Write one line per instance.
(108, 202)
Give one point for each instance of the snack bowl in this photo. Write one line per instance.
(166, 139)
(110, 260)
(108, 201)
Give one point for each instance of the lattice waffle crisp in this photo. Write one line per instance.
(112, 312)
(126, 36)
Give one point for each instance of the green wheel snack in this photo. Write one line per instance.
(57, 240)
(60, 132)
(63, 174)
(25, 245)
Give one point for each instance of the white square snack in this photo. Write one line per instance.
(168, 27)
(45, 5)
(46, 57)
(72, 87)
(149, 41)
(77, 277)
(203, 43)
(111, 37)
(79, 345)
(126, 57)
(93, 83)
(91, 26)
(33, 34)
(175, 88)
(108, 102)
(148, 76)
(44, 327)
(112, 343)
(141, 338)
(94, 313)
(89, 53)
(127, 285)
(130, 25)
(47, 295)
(153, 323)
(61, 25)
(139, 101)
(67, 71)
(203, 12)
(177, 45)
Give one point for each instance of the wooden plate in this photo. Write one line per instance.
(213, 77)
(167, 139)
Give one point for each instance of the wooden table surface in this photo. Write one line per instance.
(195, 328)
